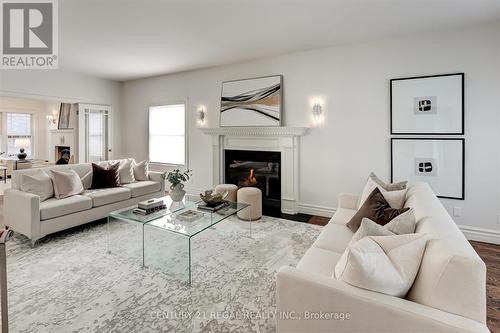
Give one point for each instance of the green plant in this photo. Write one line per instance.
(176, 177)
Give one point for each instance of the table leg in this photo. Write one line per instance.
(5, 176)
(189, 260)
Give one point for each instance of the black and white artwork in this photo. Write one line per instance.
(251, 102)
(427, 105)
(438, 162)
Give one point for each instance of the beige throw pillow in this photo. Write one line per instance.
(404, 223)
(385, 264)
(87, 180)
(126, 171)
(395, 198)
(388, 186)
(141, 170)
(66, 183)
(39, 183)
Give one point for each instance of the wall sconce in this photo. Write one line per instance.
(317, 112)
(201, 115)
(51, 119)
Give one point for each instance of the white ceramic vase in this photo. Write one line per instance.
(177, 192)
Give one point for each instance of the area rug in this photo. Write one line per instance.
(70, 283)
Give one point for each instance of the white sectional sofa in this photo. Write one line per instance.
(448, 295)
(24, 213)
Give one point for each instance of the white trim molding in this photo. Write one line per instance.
(316, 210)
(256, 131)
(481, 234)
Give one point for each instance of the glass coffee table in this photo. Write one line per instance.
(163, 240)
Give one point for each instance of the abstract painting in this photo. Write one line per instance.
(251, 102)
(438, 162)
(64, 116)
(428, 105)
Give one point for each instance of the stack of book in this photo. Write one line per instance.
(149, 206)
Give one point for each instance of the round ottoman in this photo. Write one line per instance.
(253, 197)
(231, 190)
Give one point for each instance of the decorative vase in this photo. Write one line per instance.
(177, 192)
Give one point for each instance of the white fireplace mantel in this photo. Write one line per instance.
(257, 131)
(281, 139)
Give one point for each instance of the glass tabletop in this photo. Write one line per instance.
(190, 221)
(129, 215)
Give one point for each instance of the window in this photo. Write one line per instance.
(19, 133)
(167, 139)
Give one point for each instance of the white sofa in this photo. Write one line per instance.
(448, 295)
(24, 213)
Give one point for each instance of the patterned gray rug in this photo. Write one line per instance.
(69, 283)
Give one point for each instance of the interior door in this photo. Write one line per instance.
(94, 133)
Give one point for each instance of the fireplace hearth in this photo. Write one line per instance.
(259, 169)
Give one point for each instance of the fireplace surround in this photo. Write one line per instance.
(282, 140)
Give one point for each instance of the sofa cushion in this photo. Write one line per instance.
(395, 197)
(105, 196)
(39, 184)
(451, 278)
(385, 264)
(143, 187)
(105, 177)
(377, 209)
(342, 216)
(319, 261)
(66, 183)
(141, 170)
(53, 207)
(334, 237)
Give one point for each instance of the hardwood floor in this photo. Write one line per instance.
(490, 254)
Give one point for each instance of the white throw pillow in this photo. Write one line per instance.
(126, 171)
(396, 199)
(66, 183)
(39, 183)
(87, 180)
(385, 264)
(141, 170)
(404, 223)
(388, 186)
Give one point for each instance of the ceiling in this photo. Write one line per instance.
(128, 39)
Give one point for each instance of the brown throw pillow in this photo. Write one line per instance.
(105, 177)
(377, 209)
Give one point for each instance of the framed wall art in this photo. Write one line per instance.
(427, 105)
(252, 102)
(438, 162)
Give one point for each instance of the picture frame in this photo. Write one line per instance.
(252, 102)
(64, 116)
(428, 105)
(438, 161)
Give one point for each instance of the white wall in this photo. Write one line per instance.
(353, 81)
(64, 86)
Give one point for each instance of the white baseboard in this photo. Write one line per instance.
(481, 234)
(316, 210)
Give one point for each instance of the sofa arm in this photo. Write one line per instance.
(158, 177)
(308, 302)
(22, 213)
(348, 201)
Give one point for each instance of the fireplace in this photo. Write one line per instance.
(62, 154)
(259, 169)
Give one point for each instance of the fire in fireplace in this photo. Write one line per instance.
(259, 169)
